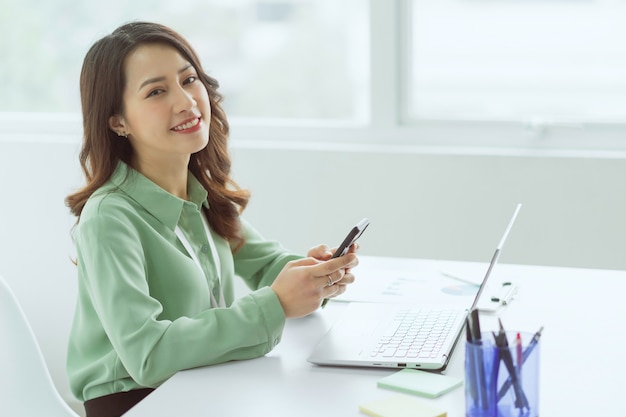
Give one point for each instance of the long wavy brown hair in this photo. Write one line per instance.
(102, 82)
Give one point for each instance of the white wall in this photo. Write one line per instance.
(422, 203)
(442, 205)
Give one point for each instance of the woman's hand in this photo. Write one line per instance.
(348, 277)
(324, 253)
(321, 252)
(304, 283)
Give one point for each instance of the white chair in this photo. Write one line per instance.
(26, 388)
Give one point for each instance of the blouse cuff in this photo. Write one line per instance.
(273, 314)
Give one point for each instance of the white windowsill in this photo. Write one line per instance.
(452, 138)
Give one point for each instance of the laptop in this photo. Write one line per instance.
(398, 335)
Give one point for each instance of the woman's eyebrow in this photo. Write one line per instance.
(161, 78)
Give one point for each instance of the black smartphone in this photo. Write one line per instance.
(352, 236)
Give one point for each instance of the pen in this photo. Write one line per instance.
(521, 401)
(531, 345)
(509, 292)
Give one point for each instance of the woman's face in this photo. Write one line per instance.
(167, 112)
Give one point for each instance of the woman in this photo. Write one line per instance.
(159, 235)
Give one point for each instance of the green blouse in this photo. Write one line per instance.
(143, 310)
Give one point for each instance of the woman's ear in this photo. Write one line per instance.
(118, 125)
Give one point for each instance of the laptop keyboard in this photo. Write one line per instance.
(416, 334)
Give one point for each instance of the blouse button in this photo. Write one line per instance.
(204, 248)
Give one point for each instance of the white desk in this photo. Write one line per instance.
(583, 311)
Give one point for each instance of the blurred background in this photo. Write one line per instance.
(433, 118)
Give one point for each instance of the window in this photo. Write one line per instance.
(289, 59)
(517, 60)
(538, 74)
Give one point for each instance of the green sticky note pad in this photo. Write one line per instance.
(400, 406)
(416, 382)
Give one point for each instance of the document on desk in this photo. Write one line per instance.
(405, 280)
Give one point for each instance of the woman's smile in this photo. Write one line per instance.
(189, 126)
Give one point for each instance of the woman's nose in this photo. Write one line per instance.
(183, 100)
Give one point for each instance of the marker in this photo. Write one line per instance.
(533, 342)
(518, 348)
(473, 383)
(480, 367)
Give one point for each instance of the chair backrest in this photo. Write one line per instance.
(26, 388)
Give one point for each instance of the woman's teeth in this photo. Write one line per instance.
(187, 125)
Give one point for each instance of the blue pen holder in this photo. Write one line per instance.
(502, 381)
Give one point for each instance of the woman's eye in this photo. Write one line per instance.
(190, 80)
(155, 92)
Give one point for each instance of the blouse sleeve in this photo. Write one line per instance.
(259, 261)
